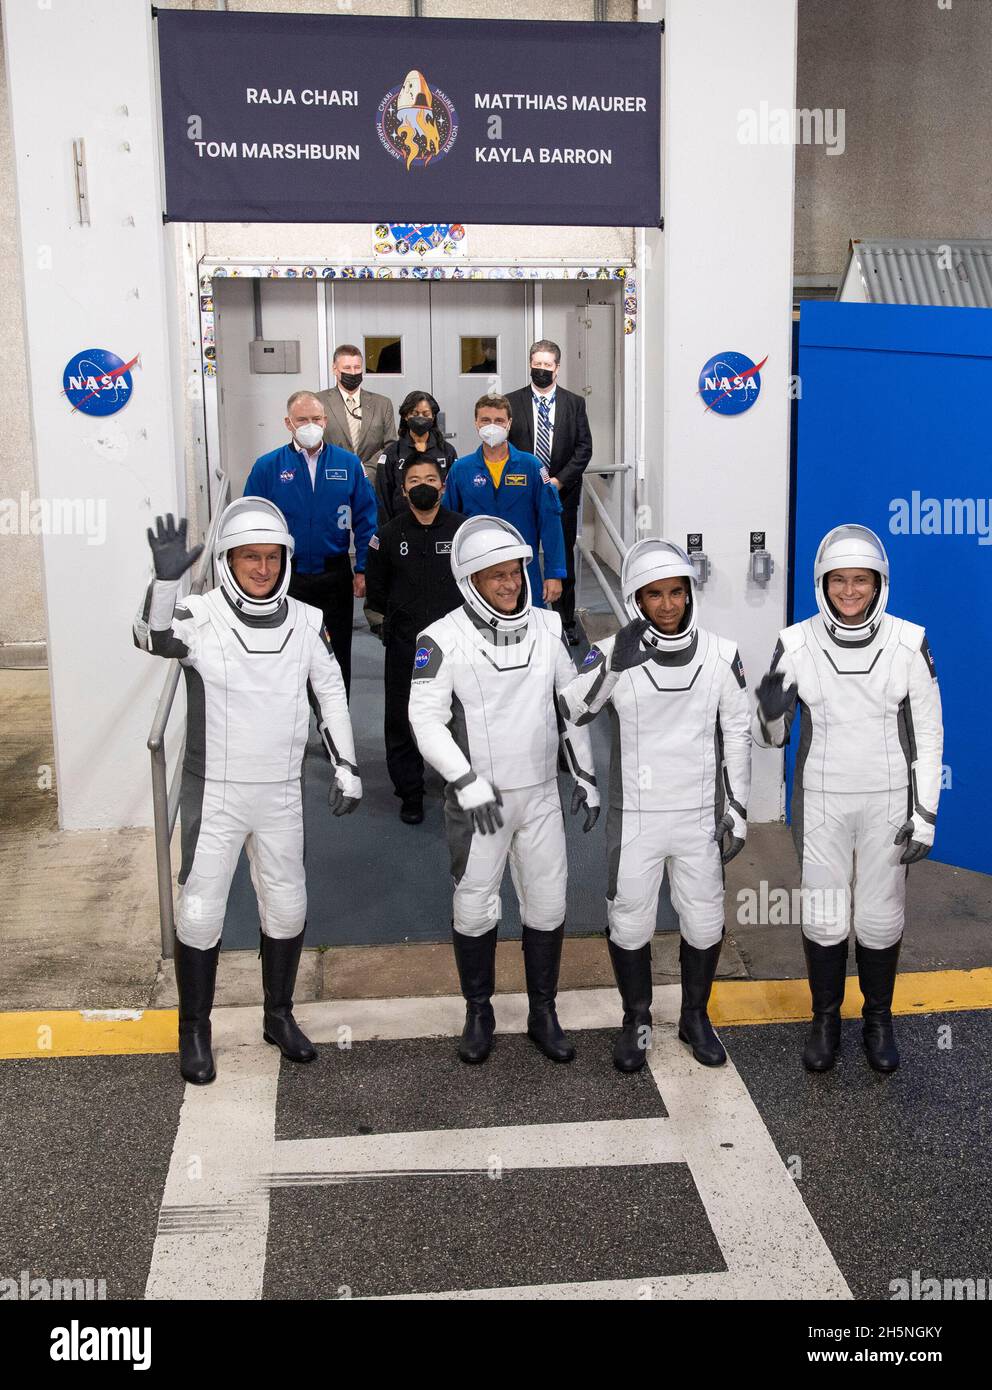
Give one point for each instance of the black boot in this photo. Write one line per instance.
(877, 973)
(542, 958)
(825, 967)
(196, 976)
(280, 960)
(475, 957)
(632, 970)
(698, 969)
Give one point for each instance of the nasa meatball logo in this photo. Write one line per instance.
(730, 383)
(479, 480)
(287, 475)
(417, 123)
(592, 655)
(97, 382)
(423, 657)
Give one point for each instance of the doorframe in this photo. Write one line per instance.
(211, 268)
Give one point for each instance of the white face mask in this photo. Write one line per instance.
(493, 435)
(309, 435)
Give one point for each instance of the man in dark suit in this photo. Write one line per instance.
(358, 421)
(551, 422)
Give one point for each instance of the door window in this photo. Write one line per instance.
(384, 355)
(479, 356)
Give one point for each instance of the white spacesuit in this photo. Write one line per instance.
(867, 779)
(248, 661)
(679, 782)
(483, 711)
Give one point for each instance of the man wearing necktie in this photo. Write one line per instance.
(551, 423)
(358, 420)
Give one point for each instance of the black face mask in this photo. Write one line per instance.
(419, 424)
(541, 377)
(351, 380)
(423, 496)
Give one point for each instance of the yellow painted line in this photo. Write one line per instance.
(121, 1032)
(788, 1001)
(90, 1033)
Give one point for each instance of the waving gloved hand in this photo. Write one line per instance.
(345, 792)
(482, 802)
(168, 544)
(586, 794)
(774, 703)
(917, 836)
(628, 650)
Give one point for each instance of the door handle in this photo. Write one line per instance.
(587, 390)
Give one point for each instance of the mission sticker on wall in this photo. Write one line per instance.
(730, 383)
(97, 382)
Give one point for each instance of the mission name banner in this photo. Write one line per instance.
(314, 118)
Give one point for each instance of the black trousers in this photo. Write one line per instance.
(332, 593)
(565, 606)
(403, 761)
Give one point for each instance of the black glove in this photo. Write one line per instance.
(914, 851)
(580, 799)
(726, 827)
(773, 701)
(628, 651)
(168, 543)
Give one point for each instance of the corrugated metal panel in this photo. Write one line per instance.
(958, 273)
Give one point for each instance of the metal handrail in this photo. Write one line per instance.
(608, 525)
(585, 549)
(165, 798)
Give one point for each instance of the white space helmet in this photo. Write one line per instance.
(647, 561)
(252, 521)
(851, 547)
(482, 541)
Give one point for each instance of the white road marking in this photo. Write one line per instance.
(214, 1220)
(597, 1144)
(213, 1228)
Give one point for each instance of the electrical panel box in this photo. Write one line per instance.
(273, 355)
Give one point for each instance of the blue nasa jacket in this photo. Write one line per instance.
(524, 498)
(321, 518)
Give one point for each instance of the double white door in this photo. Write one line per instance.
(459, 340)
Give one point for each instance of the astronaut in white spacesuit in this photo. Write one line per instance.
(248, 653)
(679, 781)
(484, 713)
(867, 779)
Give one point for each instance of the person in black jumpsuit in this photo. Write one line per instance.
(419, 437)
(409, 579)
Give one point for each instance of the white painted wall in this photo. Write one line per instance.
(727, 267)
(73, 68)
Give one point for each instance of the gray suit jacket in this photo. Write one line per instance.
(378, 424)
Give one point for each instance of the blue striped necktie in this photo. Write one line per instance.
(543, 430)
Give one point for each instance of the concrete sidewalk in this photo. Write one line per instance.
(79, 913)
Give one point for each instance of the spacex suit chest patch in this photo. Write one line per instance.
(442, 547)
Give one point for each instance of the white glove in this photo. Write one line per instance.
(482, 802)
(917, 835)
(731, 824)
(586, 794)
(346, 790)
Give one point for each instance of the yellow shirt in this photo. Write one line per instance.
(496, 467)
